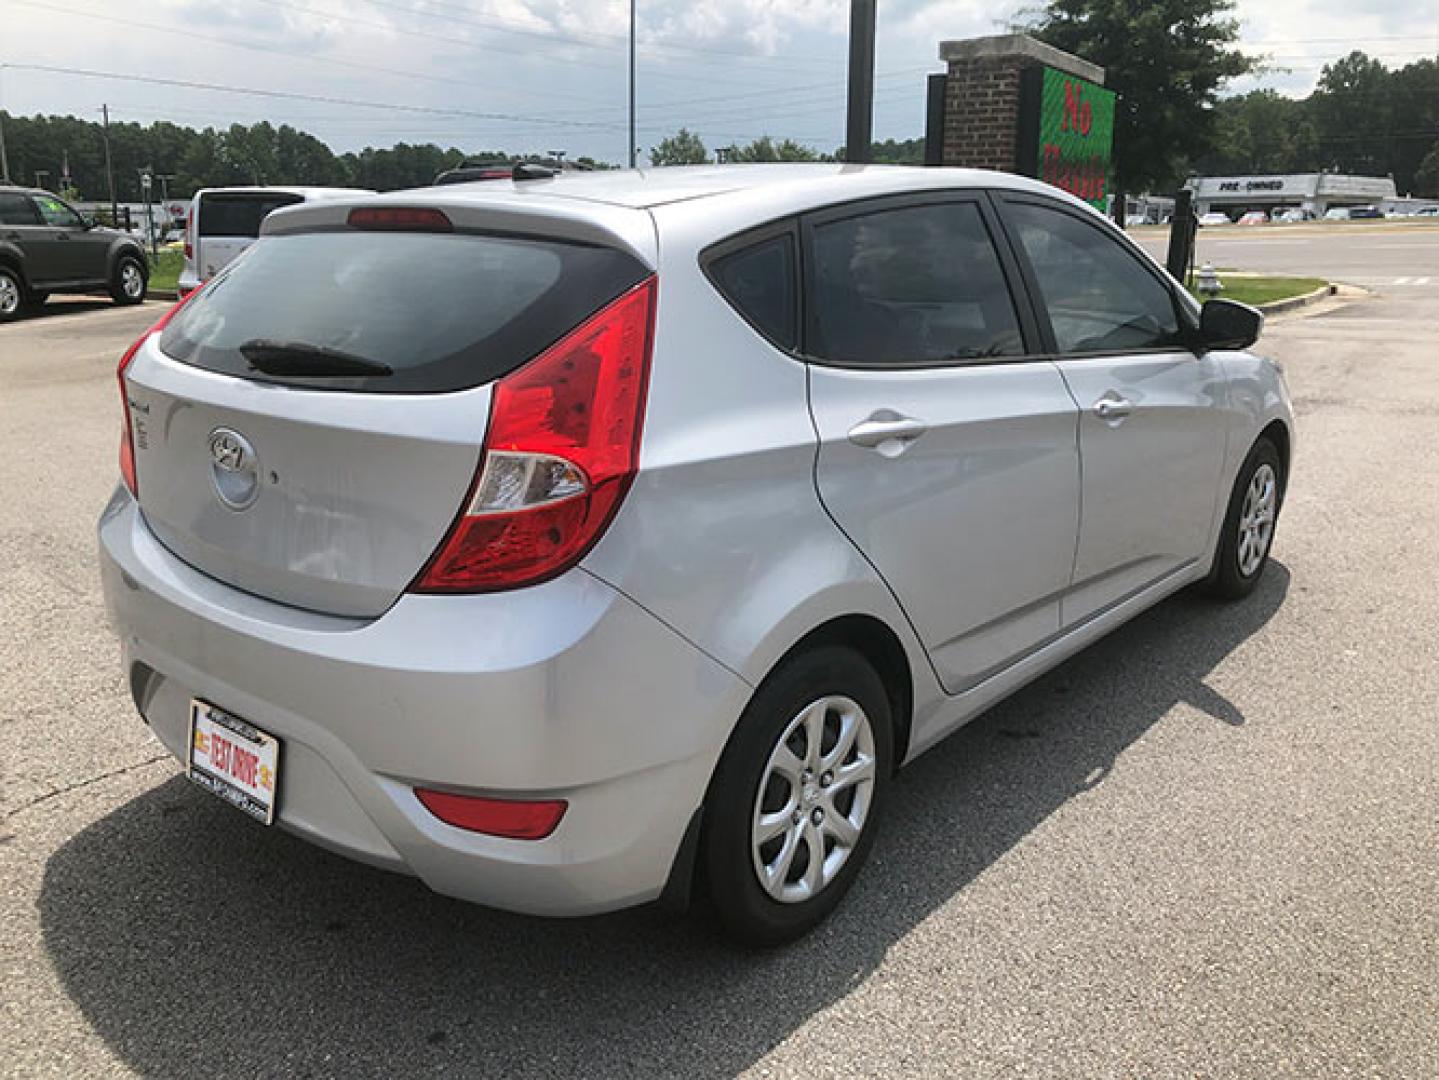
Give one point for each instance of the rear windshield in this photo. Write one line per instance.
(442, 311)
(239, 215)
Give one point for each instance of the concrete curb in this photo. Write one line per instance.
(161, 294)
(1275, 307)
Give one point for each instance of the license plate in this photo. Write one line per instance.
(234, 760)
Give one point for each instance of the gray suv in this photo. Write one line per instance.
(566, 543)
(47, 246)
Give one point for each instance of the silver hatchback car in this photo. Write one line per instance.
(563, 542)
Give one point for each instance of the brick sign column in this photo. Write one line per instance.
(982, 96)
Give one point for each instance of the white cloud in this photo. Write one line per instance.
(732, 69)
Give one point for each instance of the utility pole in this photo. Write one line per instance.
(110, 169)
(4, 159)
(859, 122)
(632, 85)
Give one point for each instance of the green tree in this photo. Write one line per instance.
(1426, 177)
(1168, 60)
(684, 147)
(766, 149)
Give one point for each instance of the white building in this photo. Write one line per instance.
(1315, 192)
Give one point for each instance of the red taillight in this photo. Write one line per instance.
(189, 244)
(515, 819)
(127, 437)
(405, 218)
(561, 451)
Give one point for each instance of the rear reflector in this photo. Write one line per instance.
(404, 218)
(127, 436)
(561, 451)
(511, 818)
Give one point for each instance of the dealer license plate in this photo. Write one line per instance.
(234, 760)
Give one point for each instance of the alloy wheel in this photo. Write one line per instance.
(1256, 519)
(131, 280)
(814, 799)
(9, 295)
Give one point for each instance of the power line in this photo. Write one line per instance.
(621, 41)
(324, 99)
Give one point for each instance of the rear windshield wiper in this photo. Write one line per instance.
(299, 359)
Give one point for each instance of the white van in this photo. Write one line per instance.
(222, 222)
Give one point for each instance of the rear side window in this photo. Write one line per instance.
(918, 284)
(443, 311)
(17, 209)
(239, 215)
(759, 282)
(1098, 295)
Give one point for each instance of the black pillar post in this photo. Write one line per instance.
(859, 127)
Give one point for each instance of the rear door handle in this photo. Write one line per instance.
(1112, 407)
(887, 427)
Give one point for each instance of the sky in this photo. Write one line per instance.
(548, 75)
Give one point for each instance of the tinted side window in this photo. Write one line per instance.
(57, 213)
(16, 209)
(910, 285)
(1100, 298)
(759, 282)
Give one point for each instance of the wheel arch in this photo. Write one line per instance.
(12, 258)
(1277, 432)
(881, 648)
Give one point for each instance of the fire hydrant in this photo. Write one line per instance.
(1209, 283)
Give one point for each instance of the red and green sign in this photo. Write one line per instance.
(1067, 133)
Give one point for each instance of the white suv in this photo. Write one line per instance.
(223, 222)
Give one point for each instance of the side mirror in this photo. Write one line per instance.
(87, 222)
(1228, 324)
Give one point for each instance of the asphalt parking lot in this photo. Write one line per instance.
(1206, 847)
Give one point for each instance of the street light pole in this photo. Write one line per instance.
(631, 150)
(859, 123)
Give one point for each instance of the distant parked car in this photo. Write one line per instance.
(1427, 212)
(1214, 217)
(1291, 214)
(1255, 217)
(223, 222)
(1364, 212)
(47, 246)
(1337, 213)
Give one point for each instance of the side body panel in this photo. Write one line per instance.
(1150, 477)
(723, 535)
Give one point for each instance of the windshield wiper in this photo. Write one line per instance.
(298, 359)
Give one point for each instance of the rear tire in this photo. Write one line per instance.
(793, 807)
(1249, 523)
(128, 282)
(12, 294)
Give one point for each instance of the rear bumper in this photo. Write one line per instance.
(564, 690)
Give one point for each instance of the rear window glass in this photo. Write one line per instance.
(759, 282)
(441, 311)
(239, 215)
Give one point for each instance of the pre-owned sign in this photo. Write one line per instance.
(1066, 132)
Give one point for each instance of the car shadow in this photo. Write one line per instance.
(193, 940)
(60, 306)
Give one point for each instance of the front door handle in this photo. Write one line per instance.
(1112, 407)
(887, 428)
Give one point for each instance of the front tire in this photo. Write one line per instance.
(128, 283)
(1249, 522)
(12, 294)
(792, 810)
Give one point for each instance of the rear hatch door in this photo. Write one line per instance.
(229, 222)
(307, 428)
